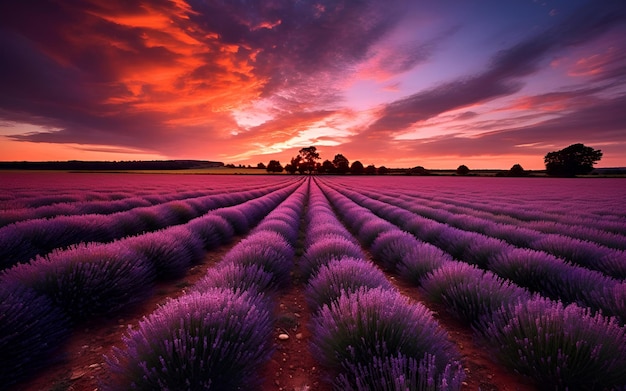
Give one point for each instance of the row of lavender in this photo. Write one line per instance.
(364, 330)
(218, 335)
(85, 201)
(35, 189)
(584, 201)
(25, 240)
(538, 271)
(558, 346)
(599, 218)
(42, 300)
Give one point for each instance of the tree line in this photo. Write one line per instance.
(576, 159)
(307, 162)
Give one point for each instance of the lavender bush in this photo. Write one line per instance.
(561, 347)
(399, 373)
(288, 230)
(87, 279)
(268, 250)
(236, 218)
(342, 275)
(369, 231)
(170, 251)
(325, 250)
(378, 323)
(214, 340)
(391, 247)
(212, 229)
(420, 260)
(470, 293)
(250, 278)
(31, 328)
(556, 279)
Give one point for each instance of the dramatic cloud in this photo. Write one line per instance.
(394, 82)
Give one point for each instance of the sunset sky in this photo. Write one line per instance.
(436, 83)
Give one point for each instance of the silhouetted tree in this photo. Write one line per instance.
(357, 168)
(382, 170)
(274, 166)
(295, 163)
(261, 166)
(462, 170)
(418, 170)
(309, 156)
(577, 159)
(342, 165)
(517, 170)
(290, 168)
(327, 167)
(370, 170)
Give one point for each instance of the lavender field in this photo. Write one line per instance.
(534, 267)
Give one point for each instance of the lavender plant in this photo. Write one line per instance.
(392, 246)
(87, 279)
(325, 250)
(214, 340)
(470, 293)
(561, 347)
(249, 278)
(212, 229)
(342, 275)
(420, 260)
(235, 217)
(268, 250)
(377, 323)
(31, 328)
(399, 372)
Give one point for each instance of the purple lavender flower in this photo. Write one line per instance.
(560, 347)
(325, 250)
(213, 230)
(250, 278)
(470, 293)
(343, 275)
(392, 246)
(31, 328)
(235, 217)
(87, 279)
(377, 322)
(210, 340)
(268, 250)
(420, 260)
(371, 228)
(399, 373)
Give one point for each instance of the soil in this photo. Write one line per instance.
(291, 368)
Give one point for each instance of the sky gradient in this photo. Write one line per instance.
(484, 83)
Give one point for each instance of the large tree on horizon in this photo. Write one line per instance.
(308, 158)
(577, 159)
(342, 165)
